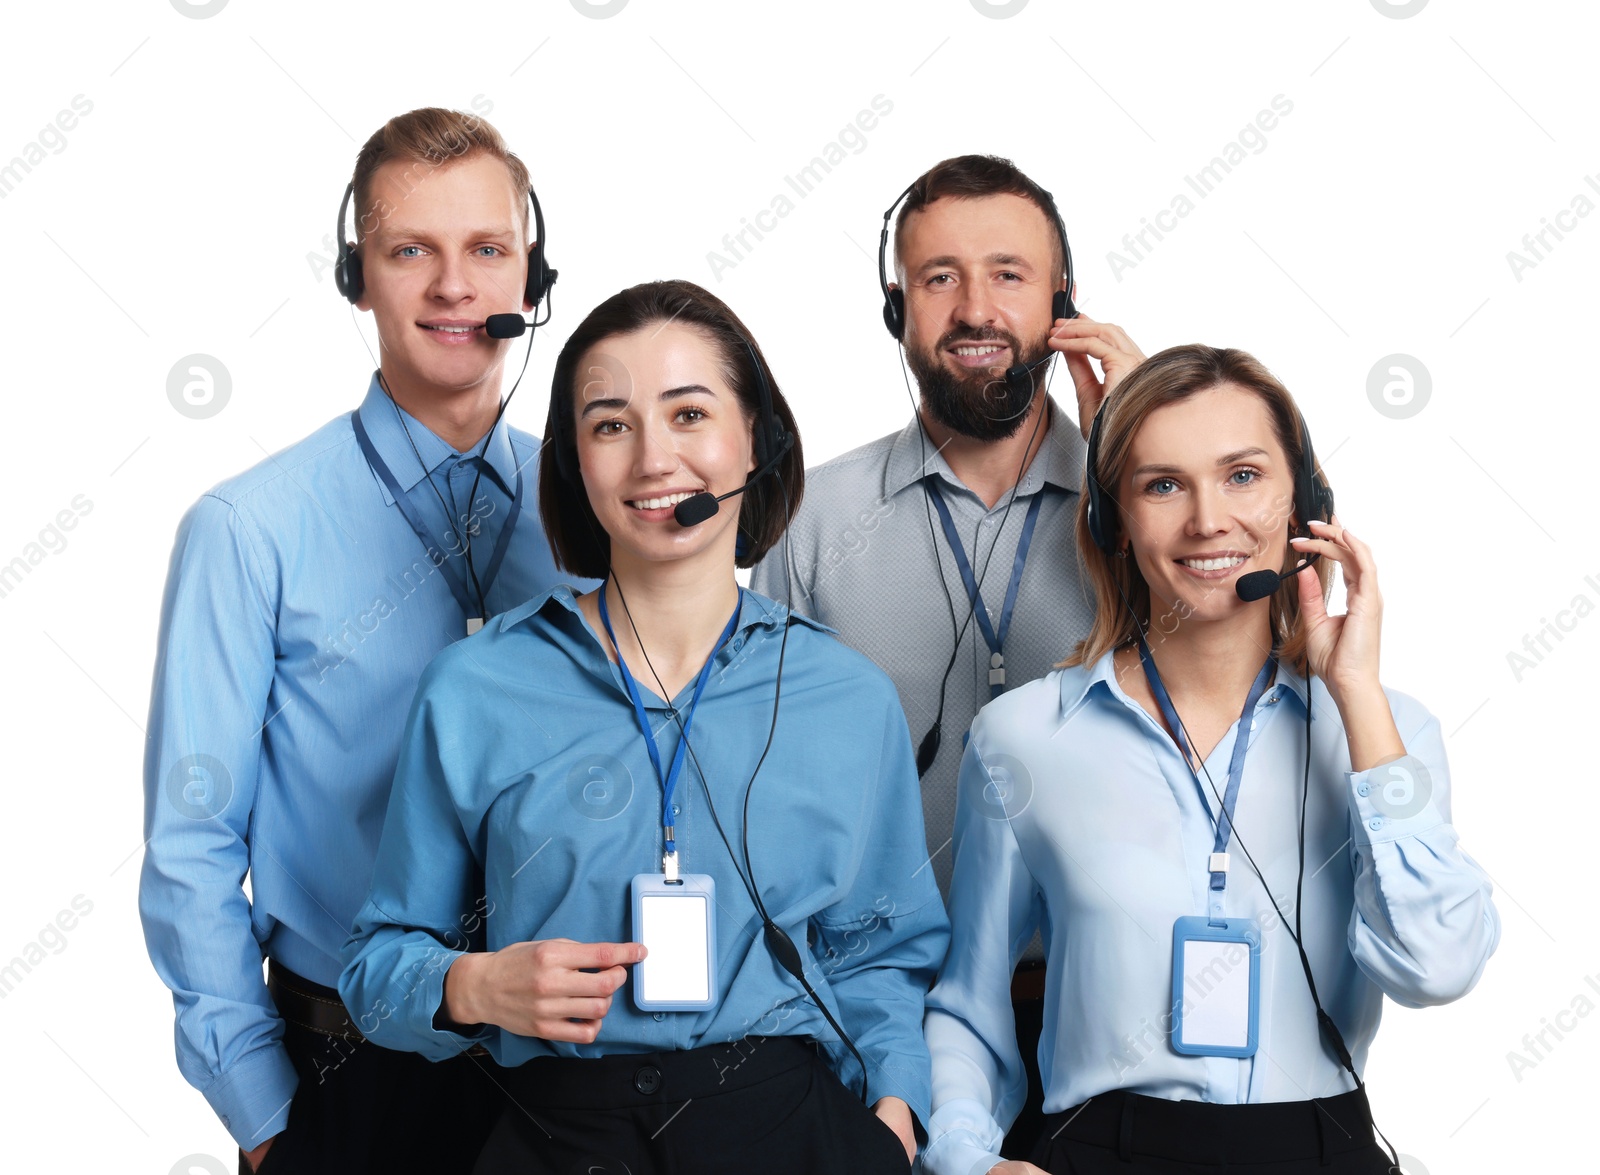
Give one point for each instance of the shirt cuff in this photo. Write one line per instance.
(892, 1080)
(252, 1096)
(958, 1152)
(1392, 802)
(966, 1139)
(423, 1004)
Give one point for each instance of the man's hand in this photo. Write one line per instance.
(1016, 1167)
(1078, 339)
(897, 1115)
(256, 1156)
(555, 989)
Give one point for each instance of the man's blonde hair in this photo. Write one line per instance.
(426, 139)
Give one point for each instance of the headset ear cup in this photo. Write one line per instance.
(894, 313)
(1098, 529)
(540, 276)
(761, 439)
(1061, 306)
(1305, 507)
(1324, 496)
(347, 275)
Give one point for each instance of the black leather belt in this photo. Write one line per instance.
(310, 1005)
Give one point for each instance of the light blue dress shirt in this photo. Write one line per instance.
(1077, 814)
(525, 802)
(300, 610)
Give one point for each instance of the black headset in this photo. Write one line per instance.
(349, 280)
(772, 440)
(1313, 501)
(1313, 497)
(894, 318)
(894, 301)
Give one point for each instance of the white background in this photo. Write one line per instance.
(180, 214)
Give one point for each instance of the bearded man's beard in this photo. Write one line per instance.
(978, 403)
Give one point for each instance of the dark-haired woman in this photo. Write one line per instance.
(544, 805)
(1182, 807)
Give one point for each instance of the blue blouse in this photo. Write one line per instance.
(1077, 815)
(525, 801)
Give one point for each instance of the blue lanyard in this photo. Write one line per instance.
(995, 639)
(1241, 744)
(669, 778)
(457, 588)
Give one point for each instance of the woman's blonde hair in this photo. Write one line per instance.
(1166, 378)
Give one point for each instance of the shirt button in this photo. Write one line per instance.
(660, 1016)
(676, 809)
(1375, 823)
(1363, 790)
(647, 1080)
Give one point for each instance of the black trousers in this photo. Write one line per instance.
(1120, 1133)
(768, 1105)
(361, 1108)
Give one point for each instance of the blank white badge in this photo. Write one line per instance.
(673, 929)
(1216, 991)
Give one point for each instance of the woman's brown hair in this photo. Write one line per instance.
(577, 540)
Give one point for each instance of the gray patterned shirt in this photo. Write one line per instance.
(864, 564)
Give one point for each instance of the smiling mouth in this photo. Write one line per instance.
(665, 502)
(1222, 563)
(449, 330)
(976, 350)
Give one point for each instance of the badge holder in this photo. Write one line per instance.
(1216, 986)
(674, 917)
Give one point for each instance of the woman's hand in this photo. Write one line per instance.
(897, 1115)
(1343, 650)
(1016, 1167)
(555, 989)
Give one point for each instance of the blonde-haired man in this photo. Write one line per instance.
(304, 598)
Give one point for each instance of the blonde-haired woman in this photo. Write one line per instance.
(1233, 839)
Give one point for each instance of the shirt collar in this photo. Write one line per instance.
(1059, 461)
(382, 418)
(755, 611)
(1078, 682)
